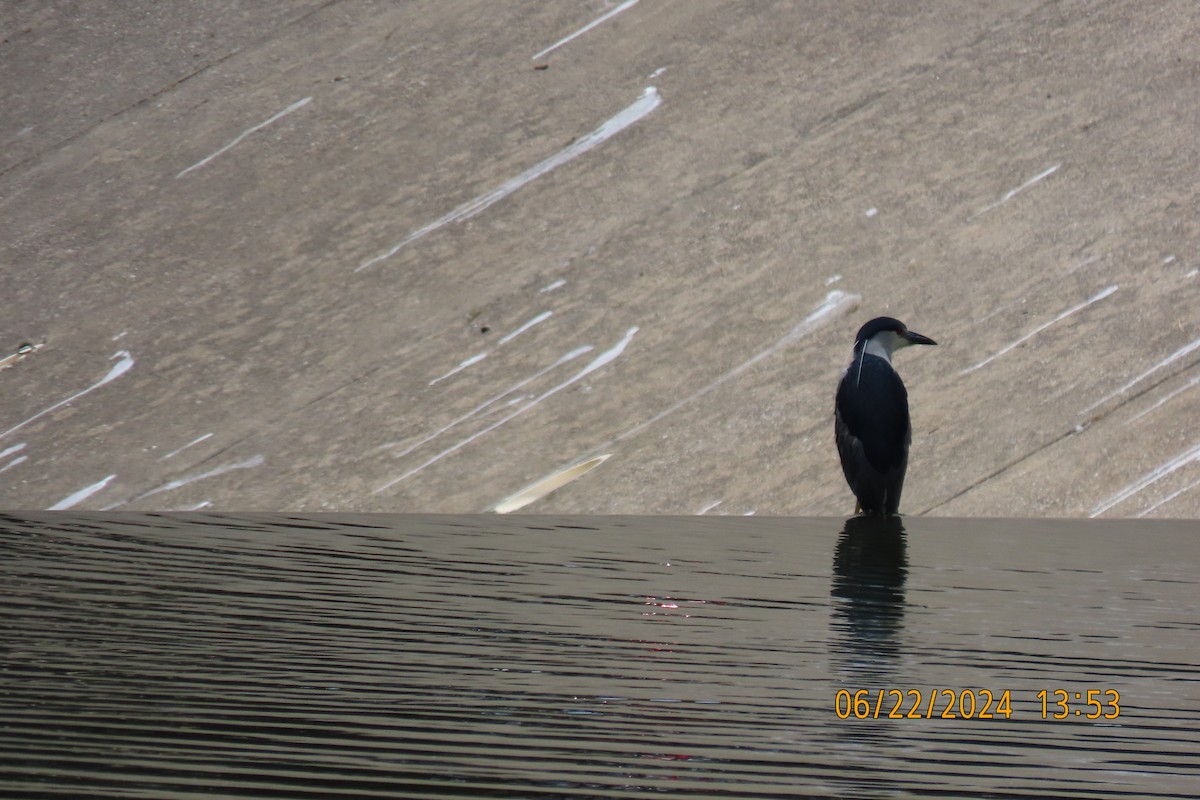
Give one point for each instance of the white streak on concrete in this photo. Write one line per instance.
(198, 506)
(597, 21)
(709, 507)
(255, 461)
(512, 401)
(119, 335)
(1191, 273)
(1092, 259)
(8, 451)
(1178, 354)
(122, 366)
(571, 356)
(542, 317)
(14, 462)
(72, 500)
(835, 302)
(872, 211)
(614, 125)
(1166, 398)
(475, 359)
(1011, 193)
(1168, 498)
(547, 485)
(832, 279)
(195, 441)
(550, 287)
(1158, 473)
(238, 140)
(657, 72)
(1097, 297)
(1000, 310)
(595, 364)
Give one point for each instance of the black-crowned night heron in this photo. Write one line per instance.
(870, 414)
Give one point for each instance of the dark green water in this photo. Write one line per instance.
(201, 656)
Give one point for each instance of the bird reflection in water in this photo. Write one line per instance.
(870, 565)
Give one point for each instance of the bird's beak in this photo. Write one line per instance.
(916, 338)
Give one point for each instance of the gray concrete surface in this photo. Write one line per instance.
(190, 193)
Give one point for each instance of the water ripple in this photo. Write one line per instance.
(189, 656)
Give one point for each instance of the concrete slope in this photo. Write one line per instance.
(349, 255)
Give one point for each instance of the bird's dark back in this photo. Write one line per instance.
(874, 408)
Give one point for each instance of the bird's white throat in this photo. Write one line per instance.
(883, 344)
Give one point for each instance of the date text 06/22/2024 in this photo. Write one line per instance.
(1093, 704)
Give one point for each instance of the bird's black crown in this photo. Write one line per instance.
(878, 325)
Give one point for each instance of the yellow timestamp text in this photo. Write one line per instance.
(971, 704)
(1088, 704)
